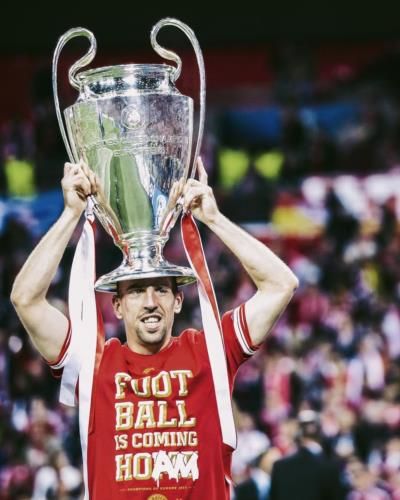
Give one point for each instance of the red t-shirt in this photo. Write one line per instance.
(154, 430)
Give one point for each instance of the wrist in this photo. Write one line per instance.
(214, 221)
(72, 213)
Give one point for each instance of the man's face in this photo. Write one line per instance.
(147, 307)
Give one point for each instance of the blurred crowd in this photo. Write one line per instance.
(336, 350)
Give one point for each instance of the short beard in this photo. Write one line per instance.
(151, 339)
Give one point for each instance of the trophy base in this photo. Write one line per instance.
(108, 282)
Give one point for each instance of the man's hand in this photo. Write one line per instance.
(77, 184)
(199, 198)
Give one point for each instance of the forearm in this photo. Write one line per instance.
(34, 279)
(46, 325)
(265, 268)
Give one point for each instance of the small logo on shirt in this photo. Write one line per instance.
(146, 371)
(157, 496)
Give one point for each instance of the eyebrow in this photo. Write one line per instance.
(134, 286)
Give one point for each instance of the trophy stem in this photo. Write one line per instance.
(143, 252)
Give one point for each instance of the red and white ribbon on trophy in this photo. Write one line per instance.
(212, 327)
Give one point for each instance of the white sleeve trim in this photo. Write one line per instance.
(239, 333)
(62, 362)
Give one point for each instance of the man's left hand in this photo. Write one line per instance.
(198, 197)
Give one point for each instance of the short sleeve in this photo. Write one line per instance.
(57, 366)
(238, 344)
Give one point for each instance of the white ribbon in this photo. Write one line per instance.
(80, 361)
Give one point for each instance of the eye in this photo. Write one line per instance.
(136, 291)
(162, 289)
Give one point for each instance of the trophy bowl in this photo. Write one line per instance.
(134, 130)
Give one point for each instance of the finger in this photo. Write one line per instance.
(172, 196)
(200, 189)
(188, 188)
(82, 183)
(203, 176)
(67, 167)
(82, 191)
(192, 183)
(81, 194)
(181, 185)
(181, 188)
(76, 169)
(177, 191)
(93, 184)
(78, 191)
(89, 174)
(174, 189)
(194, 194)
(97, 183)
(83, 165)
(86, 170)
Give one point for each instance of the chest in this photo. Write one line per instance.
(155, 394)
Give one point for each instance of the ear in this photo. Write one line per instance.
(116, 302)
(178, 302)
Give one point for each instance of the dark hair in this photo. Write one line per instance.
(173, 285)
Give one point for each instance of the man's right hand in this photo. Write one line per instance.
(78, 183)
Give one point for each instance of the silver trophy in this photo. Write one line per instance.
(134, 129)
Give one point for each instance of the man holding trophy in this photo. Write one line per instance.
(155, 412)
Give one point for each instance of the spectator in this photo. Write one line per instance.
(363, 483)
(307, 474)
(257, 486)
(251, 443)
(58, 479)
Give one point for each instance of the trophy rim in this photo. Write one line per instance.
(121, 70)
(108, 282)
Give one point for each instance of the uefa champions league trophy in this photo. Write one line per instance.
(134, 129)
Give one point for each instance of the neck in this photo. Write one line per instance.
(146, 348)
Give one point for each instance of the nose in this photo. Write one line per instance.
(150, 298)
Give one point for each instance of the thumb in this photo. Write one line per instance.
(203, 177)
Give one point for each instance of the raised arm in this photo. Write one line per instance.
(274, 281)
(46, 325)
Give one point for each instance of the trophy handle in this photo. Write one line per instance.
(83, 61)
(168, 54)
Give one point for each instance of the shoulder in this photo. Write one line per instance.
(234, 326)
(191, 343)
(112, 345)
(246, 489)
(289, 461)
(112, 355)
(190, 336)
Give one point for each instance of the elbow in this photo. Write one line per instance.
(20, 298)
(17, 298)
(293, 282)
(287, 285)
(287, 289)
(283, 287)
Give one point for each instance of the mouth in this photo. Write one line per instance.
(151, 321)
